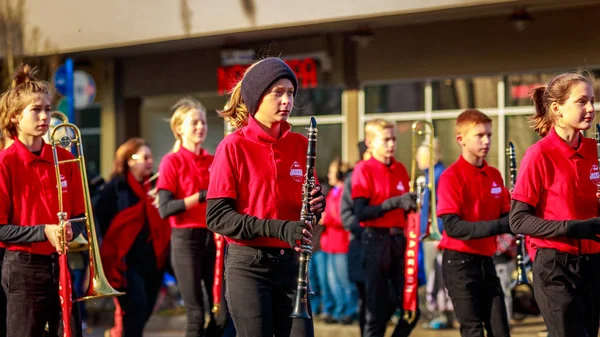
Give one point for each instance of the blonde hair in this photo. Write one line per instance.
(18, 97)
(437, 153)
(235, 111)
(180, 110)
(558, 90)
(468, 119)
(372, 129)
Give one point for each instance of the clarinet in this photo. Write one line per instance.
(520, 239)
(301, 300)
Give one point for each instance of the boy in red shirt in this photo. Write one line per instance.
(381, 198)
(555, 203)
(29, 207)
(474, 205)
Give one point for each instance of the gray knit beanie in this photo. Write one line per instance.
(258, 80)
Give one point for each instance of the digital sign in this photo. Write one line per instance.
(305, 70)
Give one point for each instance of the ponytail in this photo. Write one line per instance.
(235, 112)
(558, 91)
(542, 121)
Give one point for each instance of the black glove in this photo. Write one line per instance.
(202, 197)
(288, 231)
(584, 229)
(407, 202)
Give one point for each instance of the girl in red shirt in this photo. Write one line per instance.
(182, 186)
(334, 243)
(555, 202)
(255, 199)
(135, 239)
(29, 207)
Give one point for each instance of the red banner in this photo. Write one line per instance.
(218, 276)
(411, 265)
(305, 70)
(64, 292)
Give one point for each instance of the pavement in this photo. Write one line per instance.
(172, 326)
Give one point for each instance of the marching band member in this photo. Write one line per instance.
(334, 243)
(29, 207)
(379, 190)
(255, 199)
(135, 239)
(474, 206)
(555, 203)
(182, 187)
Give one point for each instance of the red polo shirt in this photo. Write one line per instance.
(474, 194)
(335, 239)
(184, 173)
(263, 174)
(29, 191)
(377, 182)
(561, 183)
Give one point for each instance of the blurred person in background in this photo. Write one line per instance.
(135, 241)
(4, 143)
(182, 187)
(438, 301)
(381, 198)
(355, 250)
(334, 243)
(321, 301)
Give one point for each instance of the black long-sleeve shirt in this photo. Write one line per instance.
(347, 212)
(222, 218)
(26, 234)
(524, 221)
(364, 211)
(460, 229)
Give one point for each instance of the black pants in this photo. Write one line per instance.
(476, 294)
(143, 285)
(31, 285)
(193, 260)
(384, 272)
(360, 286)
(261, 287)
(2, 300)
(567, 290)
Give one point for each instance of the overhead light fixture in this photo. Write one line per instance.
(520, 18)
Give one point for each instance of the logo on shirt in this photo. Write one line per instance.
(595, 175)
(296, 172)
(63, 183)
(496, 189)
(400, 186)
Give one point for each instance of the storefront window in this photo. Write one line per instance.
(397, 97)
(329, 146)
(521, 135)
(155, 117)
(88, 121)
(518, 87)
(464, 93)
(318, 101)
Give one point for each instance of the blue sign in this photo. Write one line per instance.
(60, 80)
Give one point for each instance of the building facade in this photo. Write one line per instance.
(356, 60)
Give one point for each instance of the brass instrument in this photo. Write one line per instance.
(80, 243)
(433, 232)
(99, 285)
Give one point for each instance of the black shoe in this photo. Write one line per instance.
(329, 320)
(347, 321)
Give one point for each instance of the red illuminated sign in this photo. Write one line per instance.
(305, 70)
(523, 90)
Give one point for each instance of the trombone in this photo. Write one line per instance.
(98, 284)
(80, 243)
(433, 232)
